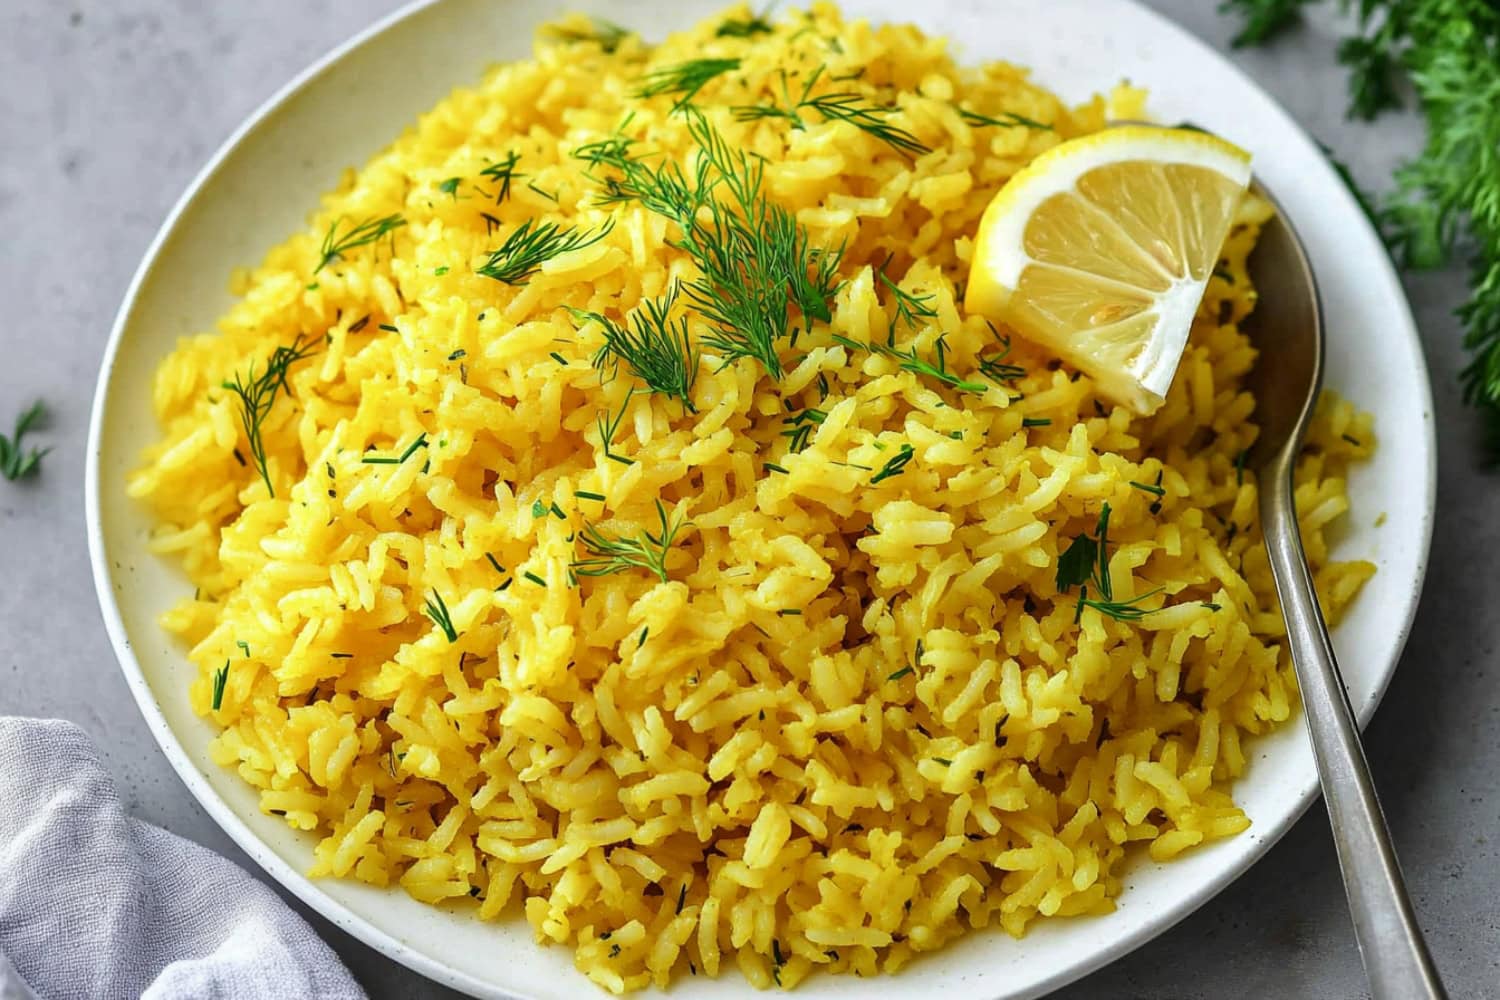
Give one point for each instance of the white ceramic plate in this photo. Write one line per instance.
(259, 188)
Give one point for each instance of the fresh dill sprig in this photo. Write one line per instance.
(754, 261)
(800, 428)
(845, 106)
(909, 307)
(335, 246)
(532, 244)
(895, 465)
(502, 174)
(257, 394)
(606, 34)
(1446, 201)
(221, 680)
(994, 367)
(734, 27)
(684, 79)
(437, 610)
(910, 361)
(1263, 19)
(608, 425)
(617, 554)
(15, 462)
(652, 345)
(1085, 562)
(1006, 119)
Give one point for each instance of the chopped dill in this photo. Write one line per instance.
(588, 495)
(495, 563)
(450, 187)
(362, 234)
(909, 307)
(221, 679)
(1036, 421)
(684, 79)
(788, 612)
(244, 648)
(411, 449)
(773, 467)
(531, 186)
(681, 897)
(800, 428)
(440, 271)
(895, 465)
(845, 106)
(257, 394)
(905, 671)
(1006, 119)
(530, 246)
(995, 367)
(756, 24)
(1148, 488)
(652, 345)
(559, 359)
(608, 425)
(614, 555)
(910, 361)
(606, 34)
(538, 509)
(437, 610)
(1086, 561)
(1239, 466)
(456, 355)
(15, 462)
(534, 578)
(944, 761)
(501, 174)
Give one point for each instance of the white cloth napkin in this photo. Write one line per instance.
(94, 904)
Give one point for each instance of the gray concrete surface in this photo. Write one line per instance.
(108, 108)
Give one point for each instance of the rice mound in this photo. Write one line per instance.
(859, 718)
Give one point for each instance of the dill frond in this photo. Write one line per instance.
(744, 28)
(605, 34)
(257, 394)
(532, 244)
(437, 610)
(15, 462)
(1006, 119)
(502, 174)
(909, 307)
(618, 554)
(846, 106)
(895, 466)
(654, 346)
(684, 79)
(335, 246)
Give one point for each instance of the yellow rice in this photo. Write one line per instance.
(680, 777)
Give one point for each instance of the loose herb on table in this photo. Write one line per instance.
(15, 462)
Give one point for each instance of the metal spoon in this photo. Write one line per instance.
(1287, 328)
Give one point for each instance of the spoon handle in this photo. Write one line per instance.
(1390, 942)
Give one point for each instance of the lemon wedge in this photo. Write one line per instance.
(1100, 250)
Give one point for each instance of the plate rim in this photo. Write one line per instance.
(371, 935)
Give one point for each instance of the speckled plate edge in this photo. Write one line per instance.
(1355, 240)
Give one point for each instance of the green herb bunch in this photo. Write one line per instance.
(1445, 201)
